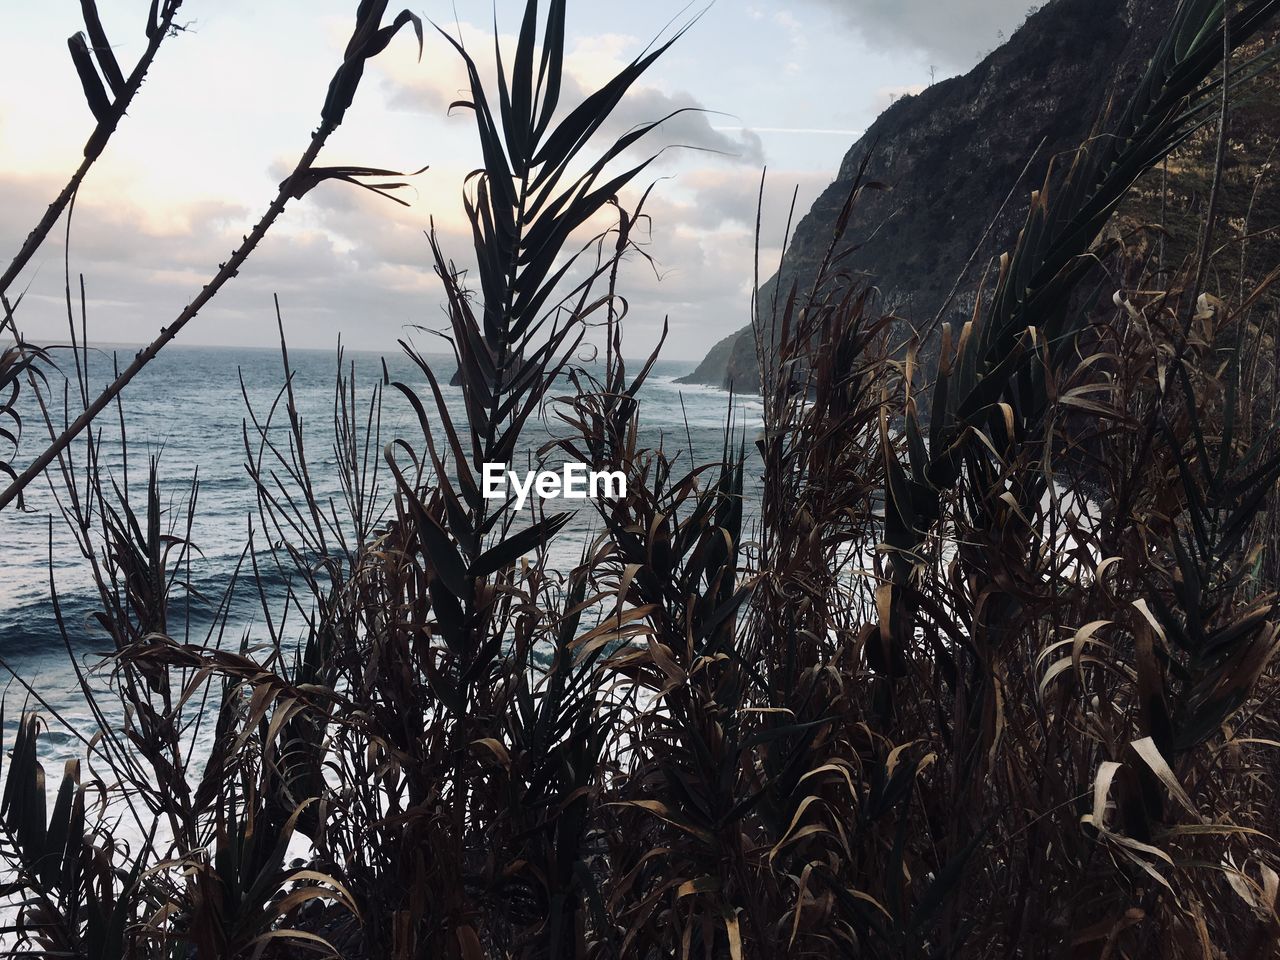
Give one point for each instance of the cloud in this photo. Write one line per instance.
(717, 201)
(688, 125)
(593, 61)
(345, 261)
(953, 34)
(140, 270)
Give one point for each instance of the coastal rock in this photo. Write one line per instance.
(951, 157)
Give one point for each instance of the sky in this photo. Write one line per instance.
(230, 103)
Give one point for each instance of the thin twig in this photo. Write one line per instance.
(93, 148)
(225, 272)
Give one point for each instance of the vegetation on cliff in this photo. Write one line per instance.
(959, 160)
(936, 701)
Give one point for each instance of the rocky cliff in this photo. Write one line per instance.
(952, 155)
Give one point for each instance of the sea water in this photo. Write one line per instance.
(190, 410)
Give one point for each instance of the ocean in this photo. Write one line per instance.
(189, 410)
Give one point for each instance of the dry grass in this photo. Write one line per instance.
(993, 679)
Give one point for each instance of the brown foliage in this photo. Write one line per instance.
(994, 680)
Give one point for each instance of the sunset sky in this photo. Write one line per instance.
(231, 102)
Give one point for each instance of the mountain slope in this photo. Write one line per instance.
(952, 155)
